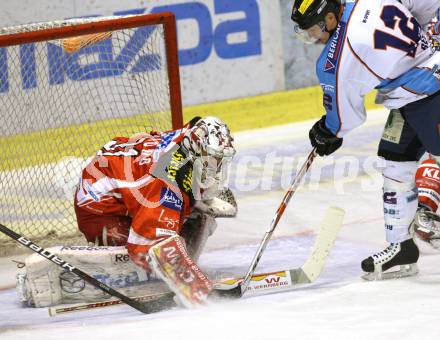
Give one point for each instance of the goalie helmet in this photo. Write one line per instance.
(308, 13)
(209, 144)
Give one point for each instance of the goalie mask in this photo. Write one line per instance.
(209, 144)
(309, 18)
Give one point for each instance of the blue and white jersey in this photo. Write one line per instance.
(380, 45)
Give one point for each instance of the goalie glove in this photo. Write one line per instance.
(323, 139)
(224, 205)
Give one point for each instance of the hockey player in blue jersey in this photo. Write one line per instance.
(383, 45)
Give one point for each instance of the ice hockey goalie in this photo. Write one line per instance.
(146, 206)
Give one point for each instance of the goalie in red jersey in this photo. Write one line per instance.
(156, 193)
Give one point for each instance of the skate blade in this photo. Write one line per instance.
(405, 271)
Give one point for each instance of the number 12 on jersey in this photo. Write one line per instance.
(406, 28)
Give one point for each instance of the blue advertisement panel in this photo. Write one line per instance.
(227, 49)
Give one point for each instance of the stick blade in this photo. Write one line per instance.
(221, 294)
(147, 304)
(328, 232)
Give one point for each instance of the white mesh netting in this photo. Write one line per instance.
(60, 101)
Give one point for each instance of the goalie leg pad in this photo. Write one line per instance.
(170, 261)
(428, 184)
(45, 284)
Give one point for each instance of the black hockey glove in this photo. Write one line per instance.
(323, 139)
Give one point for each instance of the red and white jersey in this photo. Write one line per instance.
(380, 45)
(121, 181)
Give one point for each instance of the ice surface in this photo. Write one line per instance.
(339, 305)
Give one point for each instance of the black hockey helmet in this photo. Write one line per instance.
(307, 13)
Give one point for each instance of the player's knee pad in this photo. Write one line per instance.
(399, 175)
(428, 184)
(399, 199)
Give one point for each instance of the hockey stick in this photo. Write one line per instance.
(241, 288)
(259, 283)
(145, 308)
(308, 272)
(79, 307)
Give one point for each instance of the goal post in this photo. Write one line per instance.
(66, 88)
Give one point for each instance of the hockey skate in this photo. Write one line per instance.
(404, 255)
(427, 228)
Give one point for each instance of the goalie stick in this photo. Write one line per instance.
(145, 308)
(162, 300)
(260, 283)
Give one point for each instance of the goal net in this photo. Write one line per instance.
(66, 88)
